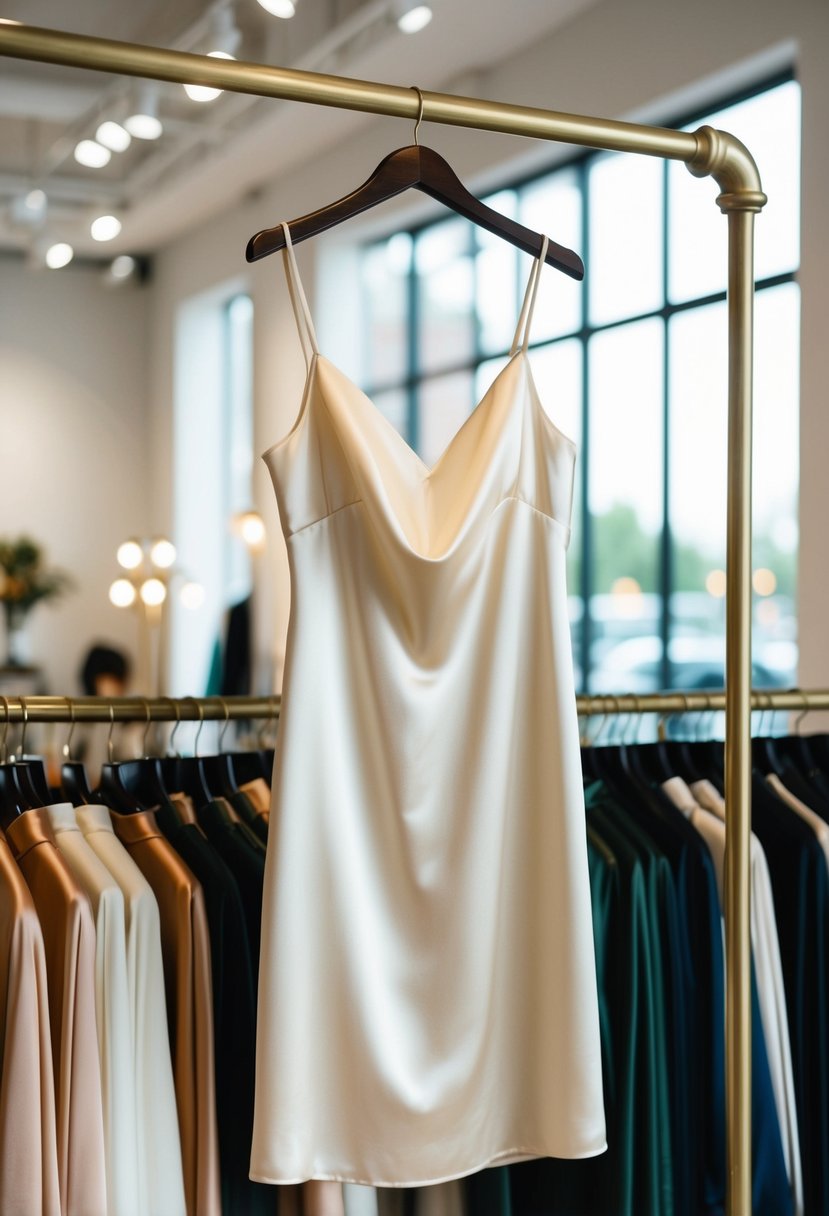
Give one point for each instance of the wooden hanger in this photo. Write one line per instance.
(414, 168)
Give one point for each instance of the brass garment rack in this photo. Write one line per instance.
(706, 152)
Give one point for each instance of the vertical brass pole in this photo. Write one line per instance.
(738, 712)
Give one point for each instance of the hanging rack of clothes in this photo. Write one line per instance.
(706, 152)
(656, 831)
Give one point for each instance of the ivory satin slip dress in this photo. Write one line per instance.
(427, 988)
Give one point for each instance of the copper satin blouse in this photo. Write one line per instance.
(185, 947)
(28, 1147)
(69, 939)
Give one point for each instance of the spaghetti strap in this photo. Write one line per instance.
(525, 317)
(299, 303)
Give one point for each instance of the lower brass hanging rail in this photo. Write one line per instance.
(218, 709)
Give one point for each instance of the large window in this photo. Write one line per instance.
(632, 365)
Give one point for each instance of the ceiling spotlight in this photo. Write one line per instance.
(59, 255)
(105, 228)
(144, 122)
(411, 18)
(144, 126)
(91, 154)
(279, 8)
(123, 266)
(113, 136)
(203, 92)
(35, 201)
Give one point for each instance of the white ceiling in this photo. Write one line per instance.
(210, 155)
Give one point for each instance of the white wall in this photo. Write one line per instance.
(639, 59)
(73, 446)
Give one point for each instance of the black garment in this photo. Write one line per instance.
(236, 661)
(800, 884)
(234, 1015)
(245, 860)
(250, 817)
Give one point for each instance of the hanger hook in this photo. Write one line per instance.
(3, 752)
(24, 707)
(635, 719)
(226, 723)
(200, 712)
(171, 749)
(67, 747)
(802, 713)
(147, 727)
(419, 119)
(110, 747)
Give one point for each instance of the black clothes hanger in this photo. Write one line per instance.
(414, 168)
(74, 783)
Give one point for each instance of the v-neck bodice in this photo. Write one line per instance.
(426, 935)
(342, 452)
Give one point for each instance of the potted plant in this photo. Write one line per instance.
(25, 580)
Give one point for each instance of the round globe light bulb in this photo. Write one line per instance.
(59, 255)
(113, 136)
(144, 126)
(192, 595)
(153, 592)
(92, 154)
(130, 555)
(204, 92)
(252, 529)
(105, 228)
(163, 554)
(122, 593)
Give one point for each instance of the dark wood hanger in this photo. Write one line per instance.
(414, 168)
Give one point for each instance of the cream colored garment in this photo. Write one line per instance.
(28, 1145)
(158, 1145)
(768, 970)
(427, 990)
(112, 1008)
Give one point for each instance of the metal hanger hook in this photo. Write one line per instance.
(226, 723)
(419, 119)
(24, 707)
(200, 711)
(67, 747)
(802, 714)
(110, 746)
(4, 755)
(147, 727)
(171, 748)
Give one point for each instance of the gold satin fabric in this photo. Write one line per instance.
(185, 948)
(427, 992)
(69, 940)
(28, 1146)
(259, 793)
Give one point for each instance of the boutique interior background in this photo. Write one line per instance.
(113, 394)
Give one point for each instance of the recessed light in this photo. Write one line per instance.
(105, 228)
(144, 126)
(203, 92)
(414, 19)
(279, 8)
(91, 154)
(59, 255)
(113, 136)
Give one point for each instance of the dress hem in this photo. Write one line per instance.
(507, 1157)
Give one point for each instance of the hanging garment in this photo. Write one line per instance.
(768, 971)
(234, 1006)
(28, 1147)
(158, 1145)
(112, 1009)
(69, 938)
(185, 948)
(427, 990)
